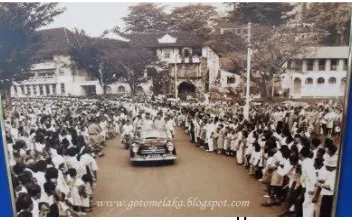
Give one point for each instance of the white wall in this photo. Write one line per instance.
(315, 90)
(223, 79)
(114, 87)
(63, 74)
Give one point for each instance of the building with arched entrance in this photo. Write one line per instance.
(192, 66)
(319, 74)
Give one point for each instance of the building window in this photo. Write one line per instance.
(334, 63)
(343, 81)
(322, 64)
(35, 89)
(187, 53)
(47, 89)
(290, 64)
(321, 80)
(309, 81)
(28, 90)
(140, 89)
(167, 54)
(121, 89)
(345, 64)
(231, 80)
(299, 65)
(310, 65)
(197, 51)
(332, 80)
(41, 90)
(62, 88)
(54, 88)
(46, 73)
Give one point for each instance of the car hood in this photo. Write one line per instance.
(154, 142)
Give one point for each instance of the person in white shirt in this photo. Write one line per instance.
(147, 123)
(34, 191)
(327, 186)
(308, 179)
(170, 125)
(127, 129)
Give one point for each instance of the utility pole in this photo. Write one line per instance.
(176, 95)
(246, 110)
(101, 77)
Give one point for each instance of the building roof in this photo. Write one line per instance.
(326, 53)
(55, 41)
(152, 40)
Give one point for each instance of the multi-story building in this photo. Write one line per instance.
(195, 64)
(56, 74)
(320, 73)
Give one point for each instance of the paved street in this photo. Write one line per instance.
(195, 174)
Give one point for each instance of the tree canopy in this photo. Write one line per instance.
(264, 13)
(332, 18)
(145, 17)
(19, 39)
(198, 19)
(110, 60)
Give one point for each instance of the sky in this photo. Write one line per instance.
(95, 17)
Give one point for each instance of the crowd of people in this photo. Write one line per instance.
(292, 150)
(53, 145)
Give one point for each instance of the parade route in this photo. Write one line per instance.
(196, 178)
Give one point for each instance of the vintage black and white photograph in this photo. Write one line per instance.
(173, 108)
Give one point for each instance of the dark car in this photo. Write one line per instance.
(152, 145)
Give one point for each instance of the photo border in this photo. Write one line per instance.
(342, 200)
(6, 192)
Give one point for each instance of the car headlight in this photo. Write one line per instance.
(170, 146)
(134, 148)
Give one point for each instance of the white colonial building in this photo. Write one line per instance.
(57, 74)
(319, 74)
(197, 66)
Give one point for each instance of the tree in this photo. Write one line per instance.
(130, 64)
(19, 40)
(272, 48)
(145, 17)
(332, 18)
(159, 75)
(199, 19)
(271, 14)
(90, 55)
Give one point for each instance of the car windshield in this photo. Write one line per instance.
(153, 134)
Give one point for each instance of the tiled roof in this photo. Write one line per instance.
(59, 40)
(326, 53)
(55, 41)
(150, 40)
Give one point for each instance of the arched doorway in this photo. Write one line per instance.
(186, 89)
(297, 85)
(343, 86)
(139, 89)
(121, 89)
(108, 89)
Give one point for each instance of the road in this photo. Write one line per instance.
(196, 177)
